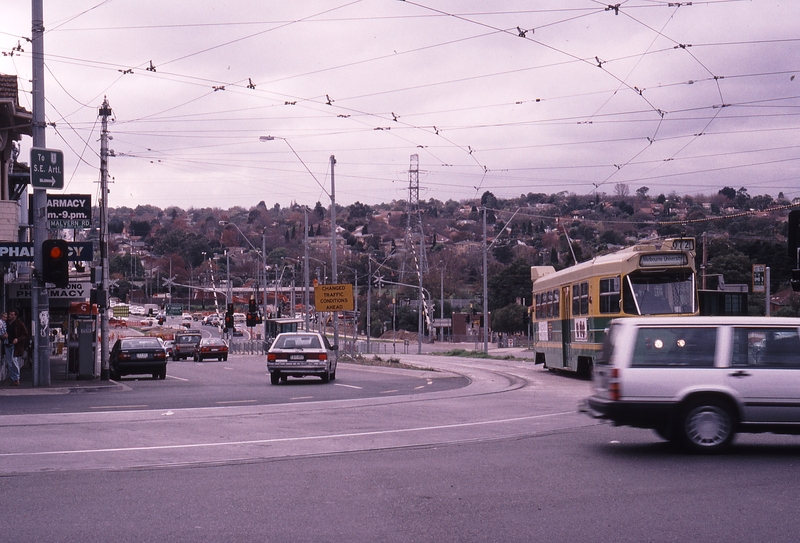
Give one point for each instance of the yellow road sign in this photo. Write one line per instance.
(334, 297)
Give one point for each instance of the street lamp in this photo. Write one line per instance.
(332, 196)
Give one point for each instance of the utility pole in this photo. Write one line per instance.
(334, 274)
(305, 268)
(102, 294)
(485, 290)
(40, 301)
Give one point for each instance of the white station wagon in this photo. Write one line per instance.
(700, 380)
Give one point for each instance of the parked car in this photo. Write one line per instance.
(185, 343)
(211, 347)
(700, 380)
(134, 355)
(298, 354)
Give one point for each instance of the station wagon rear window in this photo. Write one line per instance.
(675, 346)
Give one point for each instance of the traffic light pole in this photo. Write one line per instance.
(102, 298)
(40, 302)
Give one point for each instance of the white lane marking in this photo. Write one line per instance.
(302, 398)
(419, 387)
(236, 401)
(289, 439)
(388, 391)
(348, 386)
(178, 378)
(118, 407)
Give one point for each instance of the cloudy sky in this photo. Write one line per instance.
(506, 96)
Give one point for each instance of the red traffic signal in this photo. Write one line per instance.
(54, 262)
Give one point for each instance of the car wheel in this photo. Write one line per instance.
(707, 426)
(163, 373)
(326, 377)
(156, 375)
(274, 377)
(224, 358)
(333, 375)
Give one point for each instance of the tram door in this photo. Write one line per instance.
(566, 319)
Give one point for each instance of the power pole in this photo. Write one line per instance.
(102, 293)
(40, 301)
(334, 274)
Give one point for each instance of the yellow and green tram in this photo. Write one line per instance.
(572, 307)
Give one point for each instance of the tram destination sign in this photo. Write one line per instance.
(69, 211)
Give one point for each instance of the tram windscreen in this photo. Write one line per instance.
(659, 293)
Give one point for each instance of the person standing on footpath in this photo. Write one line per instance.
(3, 340)
(17, 342)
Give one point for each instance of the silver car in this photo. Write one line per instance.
(299, 354)
(700, 380)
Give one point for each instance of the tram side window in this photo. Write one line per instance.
(609, 295)
(538, 306)
(556, 310)
(580, 299)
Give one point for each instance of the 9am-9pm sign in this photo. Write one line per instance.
(334, 297)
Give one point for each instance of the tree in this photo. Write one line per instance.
(510, 284)
(622, 190)
(509, 319)
(641, 192)
(728, 192)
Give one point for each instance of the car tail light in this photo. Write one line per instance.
(271, 357)
(323, 356)
(160, 355)
(124, 356)
(613, 385)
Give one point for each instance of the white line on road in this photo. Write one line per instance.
(118, 407)
(348, 386)
(290, 439)
(237, 401)
(178, 378)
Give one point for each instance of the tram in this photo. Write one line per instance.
(572, 307)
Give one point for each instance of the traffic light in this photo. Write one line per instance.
(54, 262)
(251, 308)
(251, 320)
(229, 325)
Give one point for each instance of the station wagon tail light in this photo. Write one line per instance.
(323, 356)
(271, 357)
(124, 356)
(160, 355)
(613, 385)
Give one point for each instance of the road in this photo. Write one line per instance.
(505, 458)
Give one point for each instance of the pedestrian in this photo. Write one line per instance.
(3, 340)
(17, 344)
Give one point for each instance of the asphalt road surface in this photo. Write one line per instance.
(505, 458)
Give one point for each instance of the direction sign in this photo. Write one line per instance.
(47, 168)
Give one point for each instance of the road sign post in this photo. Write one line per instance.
(47, 168)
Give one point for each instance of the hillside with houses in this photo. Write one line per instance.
(201, 247)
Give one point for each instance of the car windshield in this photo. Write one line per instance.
(141, 343)
(213, 341)
(297, 342)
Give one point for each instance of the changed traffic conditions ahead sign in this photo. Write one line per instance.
(47, 168)
(334, 297)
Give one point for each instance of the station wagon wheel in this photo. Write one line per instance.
(326, 377)
(274, 377)
(707, 426)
